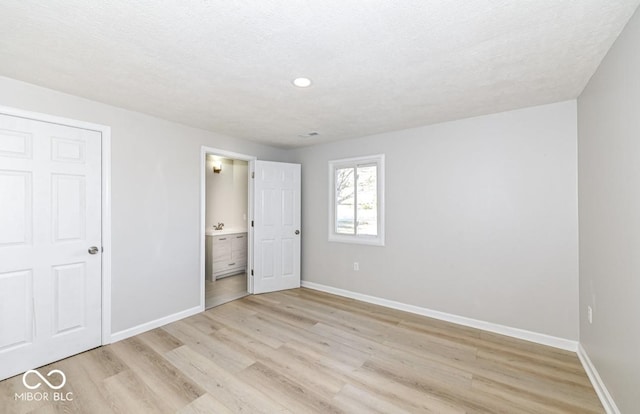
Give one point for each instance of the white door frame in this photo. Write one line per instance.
(105, 131)
(204, 151)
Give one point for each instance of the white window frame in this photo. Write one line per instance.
(378, 240)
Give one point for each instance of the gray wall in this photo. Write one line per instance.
(156, 200)
(609, 196)
(481, 219)
(481, 213)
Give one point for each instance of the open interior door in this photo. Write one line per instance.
(276, 227)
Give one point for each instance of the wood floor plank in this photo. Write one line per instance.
(236, 395)
(396, 393)
(297, 366)
(527, 399)
(173, 388)
(281, 311)
(225, 356)
(160, 340)
(248, 325)
(8, 389)
(204, 324)
(205, 404)
(346, 319)
(290, 394)
(303, 351)
(353, 399)
(549, 382)
(88, 396)
(127, 393)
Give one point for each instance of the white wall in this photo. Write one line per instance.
(156, 200)
(227, 194)
(481, 219)
(609, 194)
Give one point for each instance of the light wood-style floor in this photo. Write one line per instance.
(225, 290)
(302, 351)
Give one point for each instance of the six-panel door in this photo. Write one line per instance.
(276, 250)
(50, 215)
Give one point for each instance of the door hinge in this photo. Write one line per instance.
(253, 174)
(251, 272)
(251, 223)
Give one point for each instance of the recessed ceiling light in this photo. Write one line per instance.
(302, 82)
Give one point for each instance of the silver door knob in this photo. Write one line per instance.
(93, 250)
(297, 231)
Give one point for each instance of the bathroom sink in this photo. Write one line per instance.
(232, 230)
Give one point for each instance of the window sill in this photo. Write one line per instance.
(368, 241)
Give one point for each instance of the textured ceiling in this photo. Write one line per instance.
(377, 65)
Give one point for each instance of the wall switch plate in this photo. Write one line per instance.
(590, 314)
(356, 266)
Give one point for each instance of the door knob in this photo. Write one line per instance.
(93, 250)
(297, 231)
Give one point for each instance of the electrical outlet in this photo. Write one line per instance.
(356, 266)
(590, 314)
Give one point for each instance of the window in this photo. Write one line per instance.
(356, 206)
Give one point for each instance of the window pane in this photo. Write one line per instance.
(356, 210)
(367, 200)
(345, 200)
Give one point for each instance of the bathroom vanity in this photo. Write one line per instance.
(226, 253)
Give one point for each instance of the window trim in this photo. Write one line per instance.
(378, 240)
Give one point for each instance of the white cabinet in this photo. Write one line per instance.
(226, 255)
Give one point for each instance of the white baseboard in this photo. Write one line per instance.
(539, 338)
(136, 330)
(605, 398)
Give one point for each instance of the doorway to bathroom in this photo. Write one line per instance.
(226, 226)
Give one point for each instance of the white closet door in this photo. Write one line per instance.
(276, 264)
(50, 216)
